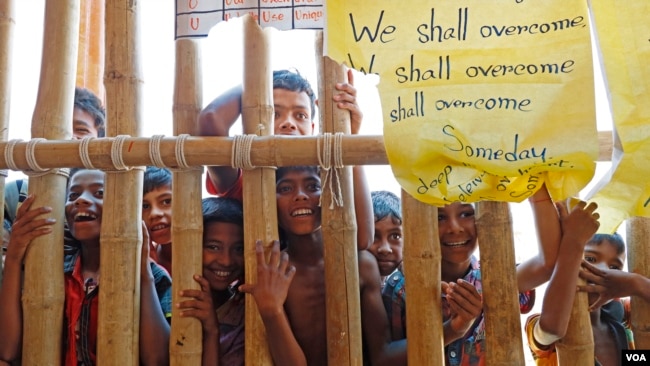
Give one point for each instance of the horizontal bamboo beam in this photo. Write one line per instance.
(265, 151)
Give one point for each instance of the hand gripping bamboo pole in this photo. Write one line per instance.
(500, 300)
(339, 226)
(422, 259)
(121, 233)
(7, 23)
(260, 208)
(638, 232)
(43, 300)
(185, 341)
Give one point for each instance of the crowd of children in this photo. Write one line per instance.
(290, 287)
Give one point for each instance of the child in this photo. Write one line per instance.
(602, 251)
(157, 213)
(387, 248)
(290, 288)
(218, 304)
(458, 241)
(88, 119)
(294, 104)
(83, 211)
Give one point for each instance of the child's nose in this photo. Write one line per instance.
(384, 248)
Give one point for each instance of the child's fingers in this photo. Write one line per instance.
(350, 77)
(246, 288)
(284, 262)
(562, 208)
(591, 288)
(205, 286)
(274, 258)
(194, 293)
(25, 206)
(259, 254)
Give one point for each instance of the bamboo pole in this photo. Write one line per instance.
(339, 228)
(260, 208)
(500, 292)
(121, 233)
(422, 259)
(43, 300)
(577, 346)
(638, 232)
(7, 25)
(185, 341)
(90, 58)
(265, 151)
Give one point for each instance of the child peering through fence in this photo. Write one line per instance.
(83, 212)
(294, 104)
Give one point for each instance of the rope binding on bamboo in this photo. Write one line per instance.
(332, 146)
(34, 170)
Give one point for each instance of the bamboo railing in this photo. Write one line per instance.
(43, 301)
(121, 232)
(638, 254)
(185, 340)
(7, 25)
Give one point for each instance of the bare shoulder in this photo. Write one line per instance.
(368, 269)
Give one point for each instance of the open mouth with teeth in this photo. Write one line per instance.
(159, 227)
(302, 212)
(455, 244)
(84, 216)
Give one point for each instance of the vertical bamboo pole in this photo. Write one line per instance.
(90, 58)
(43, 300)
(500, 292)
(185, 341)
(577, 346)
(7, 22)
(121, 234)
(422, 259)
(638, 232)
(260, 207)
(339, 227)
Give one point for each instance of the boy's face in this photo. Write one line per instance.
(83, 124)
(157, 214)
(84, 204)
(223, 254)
(298, 194)
(457, 232)
(604, 256)
(292, 113)
(387, 245)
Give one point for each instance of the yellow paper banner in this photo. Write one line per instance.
(623, 33)
(482, 100)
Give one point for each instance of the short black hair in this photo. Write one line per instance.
(384, 204)
(293, 81)
(88, 102)
(283, 170)
(222, 209)
(615, 239)
(155, 177)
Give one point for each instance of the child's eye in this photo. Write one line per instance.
(314, 187)
(283, 189)
(100, 193)
(395, 236)
(73, 196)
(212, 247)
(590, 259)
(442, 217)
(615, 267)
(167, 201)
(146, 206)
(303, 116)
(239, 250)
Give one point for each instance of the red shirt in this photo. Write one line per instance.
(236, 191)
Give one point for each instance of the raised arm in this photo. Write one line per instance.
(466, 305)
(216, 119)
(270, 293)
(154, 328)
(29, 224)
(577, 228)
(537, 270)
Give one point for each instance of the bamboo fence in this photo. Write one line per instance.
(43, 300)
(638, 232)
(7, 22)
(121, 235)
